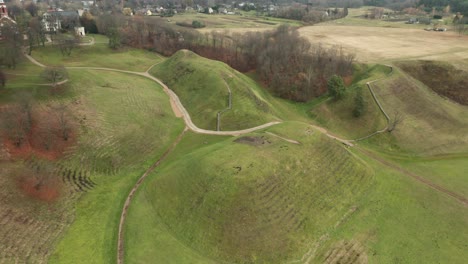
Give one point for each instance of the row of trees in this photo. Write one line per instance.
(22, 123)
(309, 15)
(286, 62)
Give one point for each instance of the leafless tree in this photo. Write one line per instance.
(61, 112)
(2, 79)
(460, 26)
(67, 44)
(395, 121)
(55, 74)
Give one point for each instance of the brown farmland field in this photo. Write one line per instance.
(374, 44)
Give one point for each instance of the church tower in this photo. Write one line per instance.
(3, 9)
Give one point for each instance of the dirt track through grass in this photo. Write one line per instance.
(458, 197)
(120, 241)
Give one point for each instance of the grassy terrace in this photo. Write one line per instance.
(98, 55)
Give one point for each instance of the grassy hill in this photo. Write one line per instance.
(122, 124)
(250, 199)
(202, 86)
(430, 123)
(442, 77)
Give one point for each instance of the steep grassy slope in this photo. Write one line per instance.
(443, 78)
(251, 199)
(202, 86)
(429, 124)
(400, 220)
(123, 124)
(337, 116)
(129, 124)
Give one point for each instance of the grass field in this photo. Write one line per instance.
(248, 20)
(377, 44)
(203, 87)
(399, 221)
(98, 55)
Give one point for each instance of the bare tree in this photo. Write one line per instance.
(55, 74)
(67, 44)
(460, 26)
(12, 43)
(2, 79)
(61, 112)
(14, 124)
(395, 121)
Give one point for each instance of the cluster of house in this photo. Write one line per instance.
(53, 20)
(56, 19)
(209, 8)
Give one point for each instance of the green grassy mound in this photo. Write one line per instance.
(123, 124)
(129, 124)
(252, 199)
(429, 124)
(202, 86)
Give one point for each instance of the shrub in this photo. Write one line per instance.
(197, 24)
(336, 87)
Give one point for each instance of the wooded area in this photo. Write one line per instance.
(290, 66)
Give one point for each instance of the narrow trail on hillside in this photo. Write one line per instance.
(180, 111)
(176, 104)
(123, 215)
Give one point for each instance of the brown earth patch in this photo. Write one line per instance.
(253, 141)
(44, 139)
(35, 187)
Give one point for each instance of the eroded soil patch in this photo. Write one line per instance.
(253, 141)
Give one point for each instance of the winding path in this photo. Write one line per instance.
(177, 106)
(180, 111)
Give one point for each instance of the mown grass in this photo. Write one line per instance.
(129, 124)
(24, 74)
(202, 86)
(337, 115)
(401, 220)
(243, 202)
(98, 55)
(450, 173)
